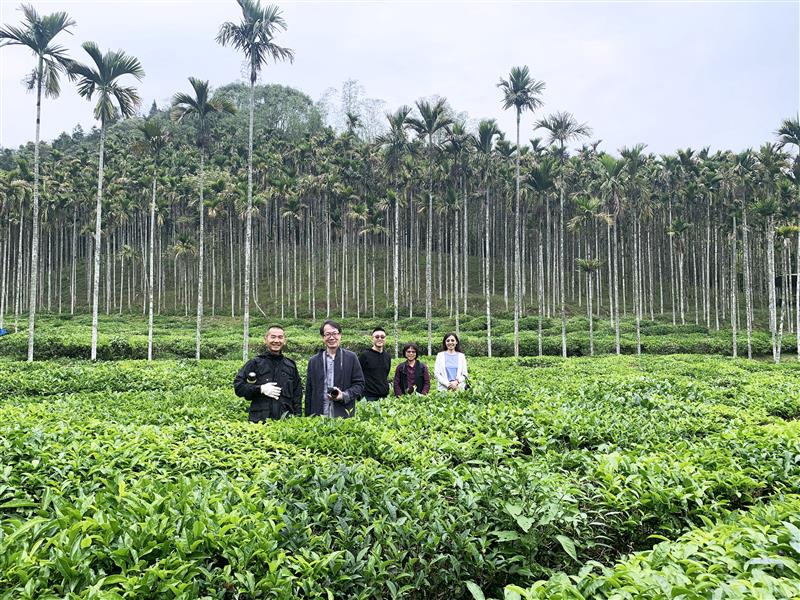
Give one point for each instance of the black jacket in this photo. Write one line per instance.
(278, 369)
(422, 379)
(347, 376)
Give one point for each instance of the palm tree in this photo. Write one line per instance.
(434, 118)
(523, 93)
(253, 36)
(396, 147)
(155, 139)
(201, 107)
(589, 266)
(611, 186)
(770, 164)
(634, 161)
(563, 128)
(743, 170)
(102, 80)
(488, 131)
(677, 231)
(459, 143)
(588, 210)
(37, 34)
(540, 180)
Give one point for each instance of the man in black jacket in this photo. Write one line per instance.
(334, 380)
(270, 381)
(376, 363)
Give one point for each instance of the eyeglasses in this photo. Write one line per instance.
(331, 334)
(379, 337)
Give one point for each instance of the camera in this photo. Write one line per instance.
(251, 377)
(333, 392)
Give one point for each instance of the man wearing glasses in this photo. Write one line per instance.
(375, 363)
(334, 380)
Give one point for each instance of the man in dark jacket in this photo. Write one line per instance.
(270, 381)
(334, 379)
(376, 363)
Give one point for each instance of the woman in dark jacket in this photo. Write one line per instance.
(411, 376)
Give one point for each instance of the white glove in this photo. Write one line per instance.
(271, 390)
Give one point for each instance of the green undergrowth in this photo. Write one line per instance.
(134, 479)
(125, 337)
(753, 554)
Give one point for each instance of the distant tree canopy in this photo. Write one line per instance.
(279, 109)
(342, 220)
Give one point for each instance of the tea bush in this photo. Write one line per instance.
(754, 554)
(134, 479)
(125, 337)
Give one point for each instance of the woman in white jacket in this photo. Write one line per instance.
(450, 368)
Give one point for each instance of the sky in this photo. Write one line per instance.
(666, 74)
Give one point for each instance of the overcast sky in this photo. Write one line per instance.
(667, 74)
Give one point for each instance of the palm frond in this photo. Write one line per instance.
(789, 132)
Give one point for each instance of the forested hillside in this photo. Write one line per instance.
(438, 215)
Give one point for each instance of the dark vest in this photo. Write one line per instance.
(419, 380)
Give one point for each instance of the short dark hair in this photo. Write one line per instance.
(333, 324)
(410, 346)
(274, 327)
(378, 329)
(458, 342)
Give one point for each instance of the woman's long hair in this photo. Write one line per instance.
(458, 342)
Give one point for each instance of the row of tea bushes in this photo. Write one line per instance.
(123, 338)
(754, 554)
(146, 481)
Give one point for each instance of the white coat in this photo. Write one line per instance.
(440, 371)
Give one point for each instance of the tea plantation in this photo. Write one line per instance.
(125, 336)
(612, 477)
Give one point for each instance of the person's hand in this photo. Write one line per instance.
(271, 390)
(338, 396)
(453, 385)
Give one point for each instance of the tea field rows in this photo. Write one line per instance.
(613, 477)
(125, 337)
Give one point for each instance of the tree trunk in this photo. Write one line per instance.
(327, 257)
(773, 325)
(201, 256)
(396, 272)
(748, 286)
(673, 282)
(232, 266)
(561, 271)
(589, 311)
(637, 282)
(6, 268)
(611, 287)
(34, 266)
(797, 296)
(429, 251)
(516, 244)
(734, 303)
(466, 248)
(97, 233)
(486, 290)
(541, 293)
(616, 287)
(248, 225)
(18, 274)
(151, 282)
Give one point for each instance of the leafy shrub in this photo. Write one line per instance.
(145, 478)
